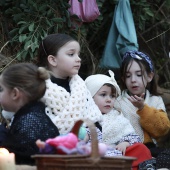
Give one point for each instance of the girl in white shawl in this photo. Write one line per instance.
(116, 129)
(67, 98)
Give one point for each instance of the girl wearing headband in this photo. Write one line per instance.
(140, 101)
(116, 129)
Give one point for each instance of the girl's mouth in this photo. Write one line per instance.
(135, 87)
(107, 106)
(77, 67)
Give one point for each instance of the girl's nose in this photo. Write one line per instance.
(78, 59)
(133, 78)
(108, 99)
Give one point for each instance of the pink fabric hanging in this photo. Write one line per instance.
(87, 10)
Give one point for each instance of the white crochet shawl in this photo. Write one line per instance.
(115, 126)
(66, 108)
(129, 111)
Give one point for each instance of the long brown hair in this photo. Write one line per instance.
(144, 66)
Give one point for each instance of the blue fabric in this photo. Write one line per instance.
(121, 38)
(139, 55)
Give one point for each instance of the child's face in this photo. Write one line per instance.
(104, 99)
(135, 81)
(68, 60)
(6, 101)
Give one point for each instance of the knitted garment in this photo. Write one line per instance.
(115, 126)
(130, 112)
(66, 108)
(95, 82)
(29, 124)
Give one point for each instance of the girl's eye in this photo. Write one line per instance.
(139, 75)
(71, 54)
(127, 75)
(103, 94)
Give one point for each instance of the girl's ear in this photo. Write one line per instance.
(52, 60)
(15, 93)
(150, 77)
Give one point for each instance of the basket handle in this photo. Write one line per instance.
(94, 141)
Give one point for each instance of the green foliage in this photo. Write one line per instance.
(32, 21)
(24, 23)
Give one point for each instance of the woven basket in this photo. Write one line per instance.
(88, 162)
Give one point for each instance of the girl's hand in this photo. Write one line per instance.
(122, 147)
(40, 144)
(137, 101)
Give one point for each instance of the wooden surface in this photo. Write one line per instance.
(25, 167)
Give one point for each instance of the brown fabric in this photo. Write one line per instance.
(159, 119)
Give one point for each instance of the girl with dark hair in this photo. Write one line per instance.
(140, 101)
(67, 98)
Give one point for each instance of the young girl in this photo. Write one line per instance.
(116, 129)
(66, 98)
(21, 87)
(140, 102)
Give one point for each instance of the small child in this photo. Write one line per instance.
(116, 129)
(21, 87)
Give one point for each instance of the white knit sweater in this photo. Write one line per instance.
(66, 108)
(115, 126)
(129, 110)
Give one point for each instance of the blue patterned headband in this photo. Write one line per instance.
(139, 55)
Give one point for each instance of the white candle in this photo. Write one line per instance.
(7, 160)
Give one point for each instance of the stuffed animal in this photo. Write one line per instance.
(68, 144)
